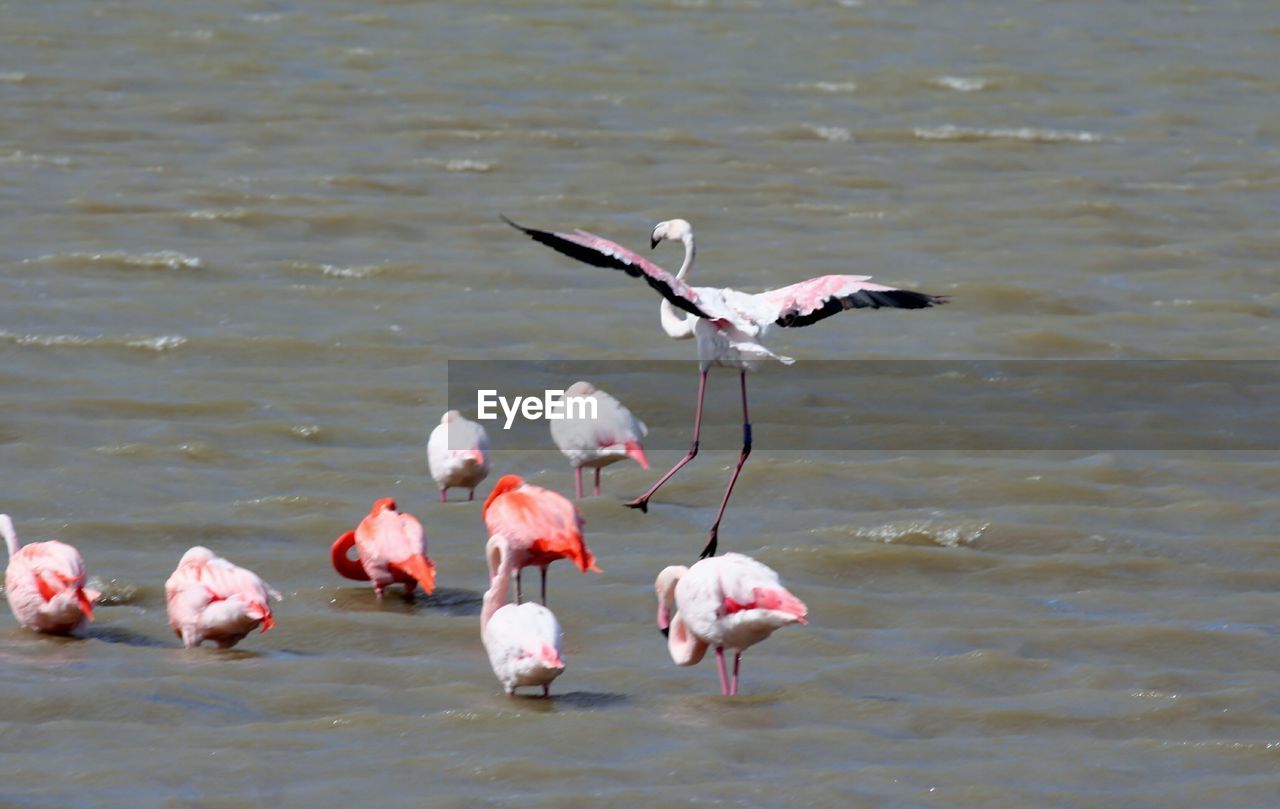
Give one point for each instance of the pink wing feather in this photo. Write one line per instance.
(810, 301)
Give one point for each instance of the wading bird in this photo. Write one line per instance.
(725, 602)
(44, 584)
(211, 599)
(458, 454)
(530, 526)
(522, 641)
(613, 435)
(391, 548)
(728, 325)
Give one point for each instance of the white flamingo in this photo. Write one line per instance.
(728, 602)
(458, 454)
(613, 435)
(728, 324)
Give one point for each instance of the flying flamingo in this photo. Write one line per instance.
(522, 641)
(530, 526)
(211, 599)
(391, 548)
(44, 584)
(728, 325)
(613, 435)
(458, 454)
(727, 602)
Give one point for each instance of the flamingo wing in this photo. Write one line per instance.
(818, 298)
(600, 252)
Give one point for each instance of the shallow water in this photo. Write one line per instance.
(241, 243)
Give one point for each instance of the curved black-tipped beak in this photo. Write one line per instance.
(653, 242)
(666, 631)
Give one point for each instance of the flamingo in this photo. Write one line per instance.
(391, 548)
(613, 435)
(44, 584)
(728, 602)
(209, 598)
(458, 454)
(522, 641)
(530, 526)
(727, 324)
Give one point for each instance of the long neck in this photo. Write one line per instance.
(677, 324)
(10, 536)
(498, 555)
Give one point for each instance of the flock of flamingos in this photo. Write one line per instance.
(728, 602)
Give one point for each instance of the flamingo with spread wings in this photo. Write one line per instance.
(44, 584)
(728, 325)
(613, 435)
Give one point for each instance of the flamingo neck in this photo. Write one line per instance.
(500, 563)
(10, 536)
(679, 325)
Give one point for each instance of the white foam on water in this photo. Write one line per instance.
(1026, 133)
(961, 84)
(170, 259)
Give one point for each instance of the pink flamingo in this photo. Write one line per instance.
(44, 584)
(728, 324)
(613, 435)
(391, 548)
(727, 602)
(458, 454)
(530, 526)
(523, 641)
(211, 599)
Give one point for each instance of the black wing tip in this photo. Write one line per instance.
(504, 218)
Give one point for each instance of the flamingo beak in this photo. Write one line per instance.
(653, 242)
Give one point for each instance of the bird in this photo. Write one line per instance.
(723, 602)
(209, 598)
(523, 641)
(530, 526)
(391, 548)
(44, 584)
(458, 454)
(612, 435)
(728, 325)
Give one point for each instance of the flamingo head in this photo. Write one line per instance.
(384, 504)
(665, 589)
(580, 388)
(674, 229)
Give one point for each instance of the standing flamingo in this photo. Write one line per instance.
(530, 526)
(391, 547)
(522, 641)
(211, 599)
(727, 602)
(729, 325)
(458, 454)
(44, 584)
(613, 435)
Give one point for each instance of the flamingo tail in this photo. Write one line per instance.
(419, 568)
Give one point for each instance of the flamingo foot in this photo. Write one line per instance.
(712, 541)
(641, 503)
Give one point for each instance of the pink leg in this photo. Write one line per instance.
(724, 677)
(443, 497)
(710, 549)
(597, 481)
(642, 502)
(733, 684)
(577, 479)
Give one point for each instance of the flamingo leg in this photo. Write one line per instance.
(544, 585)
(546, 690)
(733, 684)
(642, 502)
(710, 549)
(471, 495)
(577, 480)
(597, 481)
(443, 495)
(518, 586)
(724, 677)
